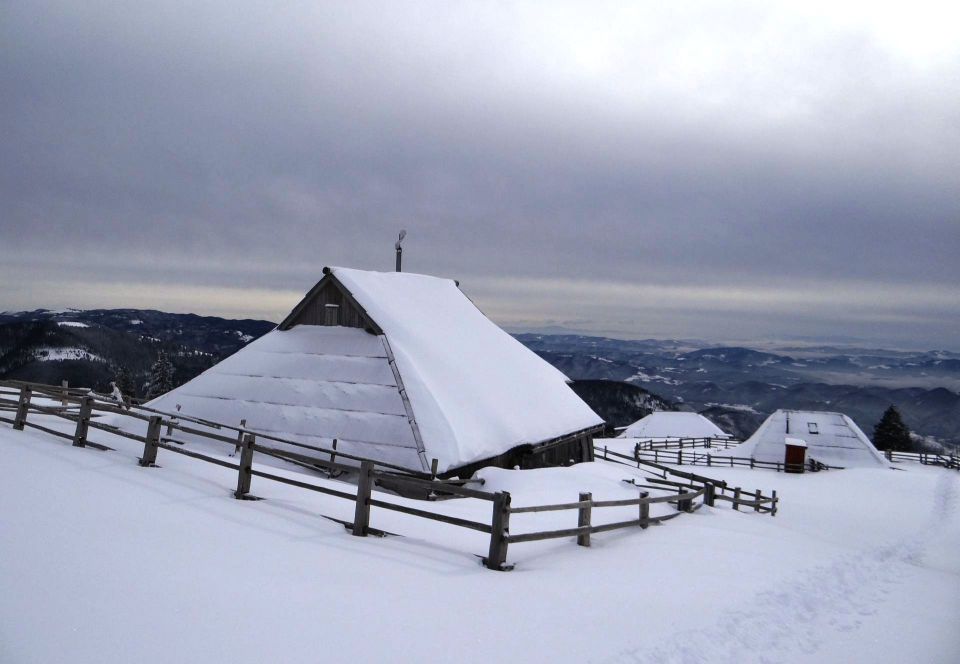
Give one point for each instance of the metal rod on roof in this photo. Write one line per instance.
(399, 249)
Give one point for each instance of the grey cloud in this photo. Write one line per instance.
(249, 144)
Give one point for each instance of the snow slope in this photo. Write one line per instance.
(104, 561)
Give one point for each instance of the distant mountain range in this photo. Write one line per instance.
(622, 380)
(738, 387)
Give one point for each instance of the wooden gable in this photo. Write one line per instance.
(330, 303)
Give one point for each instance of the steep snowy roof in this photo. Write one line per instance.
(831, 438)
(309, 384)
(474, 391)
(673, 425)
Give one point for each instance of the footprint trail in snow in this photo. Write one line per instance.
(839, 596)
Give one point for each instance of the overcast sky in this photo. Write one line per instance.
(719, 170)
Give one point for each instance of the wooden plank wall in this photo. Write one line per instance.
(315, 312)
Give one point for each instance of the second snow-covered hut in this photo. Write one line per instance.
(667, 424)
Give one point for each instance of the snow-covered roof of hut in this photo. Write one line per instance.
(405, 371)
(665, 424)
(831, 438)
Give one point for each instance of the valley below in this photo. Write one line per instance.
(622, 380)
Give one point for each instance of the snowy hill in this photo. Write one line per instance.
(105, 561)
(87, 347)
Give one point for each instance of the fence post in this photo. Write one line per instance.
(83, 422)
(644, 509)
(434, 464)
(756, 508)
(246, 463)
(333, 455)
(709, 494)
(583, 518)
(23, 405)
(65, 385)
(751, 463)
(680, 457)
(499, 532)
(149, 458)
(361, 513)
(709, 461)
(773, 505)
(736, 499)
(236, 448)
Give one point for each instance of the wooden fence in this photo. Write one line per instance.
(687, 443)
(164, 431)
(718, 488)
(950, 461)
(695, 458)
(658, 450)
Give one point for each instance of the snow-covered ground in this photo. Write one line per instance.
(104, 561)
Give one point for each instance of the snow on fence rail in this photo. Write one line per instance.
(81, 405)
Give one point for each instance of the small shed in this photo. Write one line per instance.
(401, 368)
(794, 455)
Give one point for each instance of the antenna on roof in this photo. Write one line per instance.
(399, 249)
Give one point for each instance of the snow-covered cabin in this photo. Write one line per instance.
(400, 368)
(666, 424)
(831, 438)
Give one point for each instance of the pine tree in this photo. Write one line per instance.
(125, 383)
(891, 433)
(161, 376)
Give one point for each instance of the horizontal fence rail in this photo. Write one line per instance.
(81, 407)
(693, 458)
(946, 460)
(671, 443)
(717, 489)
